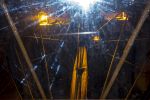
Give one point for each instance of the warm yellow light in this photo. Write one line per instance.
(96, 38)
(43, 18)
(80, 80)
(122, 16)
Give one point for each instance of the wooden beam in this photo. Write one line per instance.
(127, 50)
(22, 47)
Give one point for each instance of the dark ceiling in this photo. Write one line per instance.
(57, 45)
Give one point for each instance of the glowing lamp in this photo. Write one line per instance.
(85, 4)
(122, 16)
(43, 19)
(96, 38)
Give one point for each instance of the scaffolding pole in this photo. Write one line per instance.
(22, 47)
(127, 50)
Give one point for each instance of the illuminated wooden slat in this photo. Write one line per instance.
(79, 76)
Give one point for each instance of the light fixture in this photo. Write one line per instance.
(43, 18)
(96, 38)
(122, 16)
(85, 4)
